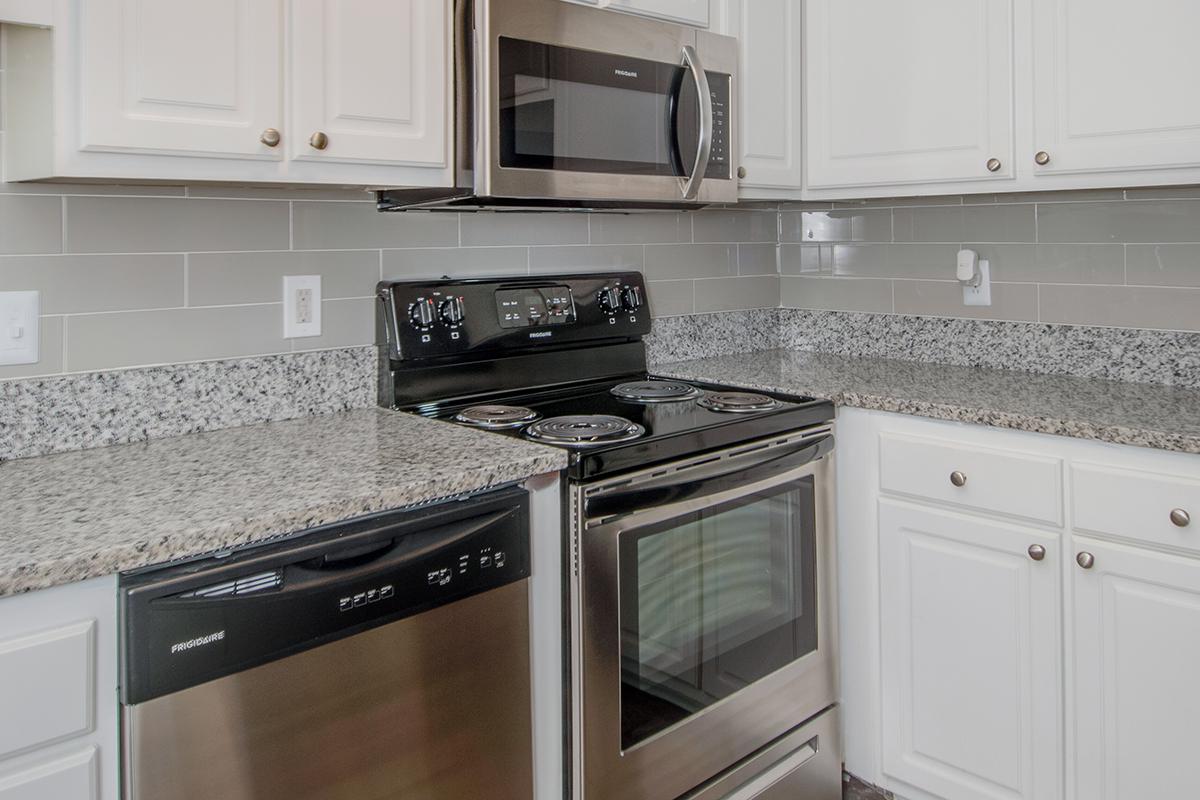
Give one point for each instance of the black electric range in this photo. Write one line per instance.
(560, 360)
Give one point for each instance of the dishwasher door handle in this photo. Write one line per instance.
(351, 565)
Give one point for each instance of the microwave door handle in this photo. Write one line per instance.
(691, 187)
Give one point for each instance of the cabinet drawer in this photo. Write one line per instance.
(996, 481)
(1137, 505)
(46, 690)
(70, 778)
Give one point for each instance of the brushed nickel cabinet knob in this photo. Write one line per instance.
(1085, 560)
(741, 172)
(1037, 552)
(1180, 518)
(993, 165)
(270, 137)
(1042, 158)
(319, 140)
(958, 478)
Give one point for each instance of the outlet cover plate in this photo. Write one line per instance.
(980, 295)
(19, 327)
(301, 306)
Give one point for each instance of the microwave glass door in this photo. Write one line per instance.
(563, 109)
(711, 602)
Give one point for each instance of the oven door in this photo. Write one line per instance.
(588, 105)
(706, 624)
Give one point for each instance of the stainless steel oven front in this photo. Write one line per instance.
(575, 103)
(703, 614)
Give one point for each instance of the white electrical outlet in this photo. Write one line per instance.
(980, 295)
(19, 327)
(301, 306)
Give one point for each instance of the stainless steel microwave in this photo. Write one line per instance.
(561, 105)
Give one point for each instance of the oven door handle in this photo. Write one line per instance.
(721, 477)
(691, 187)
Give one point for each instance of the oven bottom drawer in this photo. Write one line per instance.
(803, 763)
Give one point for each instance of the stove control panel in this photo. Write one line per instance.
(436, 319)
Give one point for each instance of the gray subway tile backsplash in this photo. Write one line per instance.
(174, 225)
(30, 224)
(1163, 264)
(665, 261)
(1144, 221)
(358, 226)
(229, 278)
(140, 275)
(74, 284)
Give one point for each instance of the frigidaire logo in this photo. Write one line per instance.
(199, 641)
(541, 334)
(625, 73)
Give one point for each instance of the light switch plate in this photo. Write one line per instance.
(301, 306)
(19, 327)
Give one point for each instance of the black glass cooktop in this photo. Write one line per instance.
(672, 428)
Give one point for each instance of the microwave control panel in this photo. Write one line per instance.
(718, 157)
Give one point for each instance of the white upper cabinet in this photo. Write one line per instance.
(176, 76)
(769, 34)
(908, 91)
(689, 12)
(346, 104)
(970, 647)
(1115, 86)
(1137, 699)
(345, 92)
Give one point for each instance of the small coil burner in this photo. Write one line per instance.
(496, 417)
(584, 430)
(737, 402)
(655, 391)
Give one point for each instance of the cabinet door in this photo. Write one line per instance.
(1137, 697)
(970, 643)
(180, 77)
(1096, 112)
(372, 76)
(689, 12)
(769, 37)
(907, 91)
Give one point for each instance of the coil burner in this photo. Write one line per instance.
(584, 430)
(737, 402)
(655, 391)
(496, 417)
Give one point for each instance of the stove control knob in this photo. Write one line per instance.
(631, 298)
(609, 301)
(420, 313)
(451, 310)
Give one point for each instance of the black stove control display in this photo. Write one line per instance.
(535, 306)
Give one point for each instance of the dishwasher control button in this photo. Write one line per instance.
(439, 577)
(372, 595)
(345, 604)
(498, 559)
(360, 599)
(485, 560)
(463, 563)
(387, 591)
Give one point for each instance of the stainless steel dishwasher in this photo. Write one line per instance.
(386, 657)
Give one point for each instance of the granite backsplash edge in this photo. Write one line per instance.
(39, 416)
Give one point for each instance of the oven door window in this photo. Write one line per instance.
(582, 111)
(713, 601)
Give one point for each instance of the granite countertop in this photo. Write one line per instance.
(89, 513)
(1147, 415)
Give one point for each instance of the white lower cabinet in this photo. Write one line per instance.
(1134, 680)
(991, 653)
(58, 693)
(970, 648)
